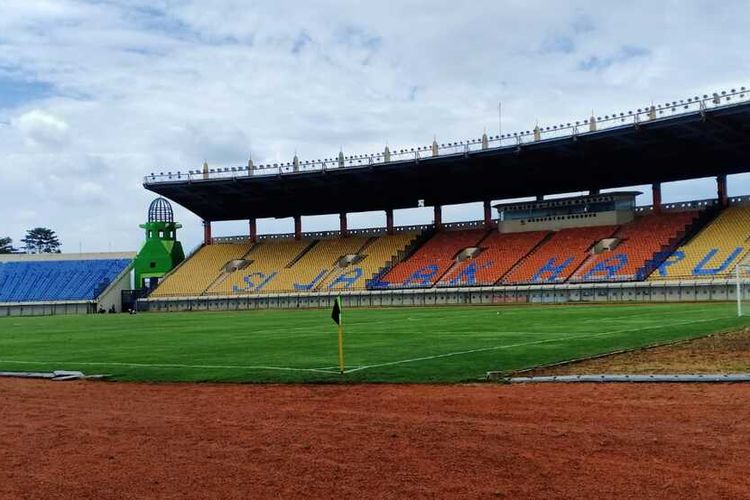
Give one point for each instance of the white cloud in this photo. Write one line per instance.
(43, 129)
(141, 86)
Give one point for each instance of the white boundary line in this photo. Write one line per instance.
(510, 346)
(334, 370)
(168, 365)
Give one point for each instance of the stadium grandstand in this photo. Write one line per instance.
(650, 244)
(77, 283)
(63, 283)
(597, 245)
(580, 247)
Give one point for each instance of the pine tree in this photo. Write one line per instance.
(6, 245)
(41, 240)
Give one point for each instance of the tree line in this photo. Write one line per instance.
(37, 240)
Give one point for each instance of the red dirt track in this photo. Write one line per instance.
(114, 440)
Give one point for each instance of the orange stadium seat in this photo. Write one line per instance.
(558, 257)
(640, 240)
(432, 260)
(500, 252)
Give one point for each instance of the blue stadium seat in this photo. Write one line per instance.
(35, 281)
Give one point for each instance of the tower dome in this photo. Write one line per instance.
(160, 210)
(161, 252)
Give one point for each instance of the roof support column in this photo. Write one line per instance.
(342, 224)
(438, 217)
(540, 197)
(488, 214)
(389, 220)
(207, 240)
(721, 190)
(253, 230)
(592, 192)
(297, 227)
(656, 197)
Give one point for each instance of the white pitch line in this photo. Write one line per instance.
(464, 334)
(332, 368)
(534, 342)
(352, 370)
(167, 365)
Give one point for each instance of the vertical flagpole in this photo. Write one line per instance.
(337, 317)
(738, 289)
(341, 349)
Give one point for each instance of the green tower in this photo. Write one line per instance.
(161, 252)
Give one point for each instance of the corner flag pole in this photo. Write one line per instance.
(341, 349)
(336, 316)
(738, 289)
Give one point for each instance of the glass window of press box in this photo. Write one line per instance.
(554, 208)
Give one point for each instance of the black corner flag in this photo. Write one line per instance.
(336, 312)
(336, 316)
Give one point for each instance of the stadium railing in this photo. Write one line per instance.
(372, 231)
(592, 125)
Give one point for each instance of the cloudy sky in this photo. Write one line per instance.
(96, 94)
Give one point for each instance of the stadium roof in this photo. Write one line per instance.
(676, 141)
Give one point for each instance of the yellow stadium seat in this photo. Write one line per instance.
(197, 273)
(714, 251)
(320, 260)
(375, 256)
(267, 260)
(279, 266)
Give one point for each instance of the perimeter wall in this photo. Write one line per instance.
(683, 291)
(46, 308)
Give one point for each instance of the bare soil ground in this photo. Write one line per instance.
(107, 440)
(720, 353)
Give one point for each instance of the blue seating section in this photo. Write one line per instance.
(32, 281)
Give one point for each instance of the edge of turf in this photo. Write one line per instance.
(573, 361)
(477, 378)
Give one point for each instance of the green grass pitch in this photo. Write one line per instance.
(436, 344)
